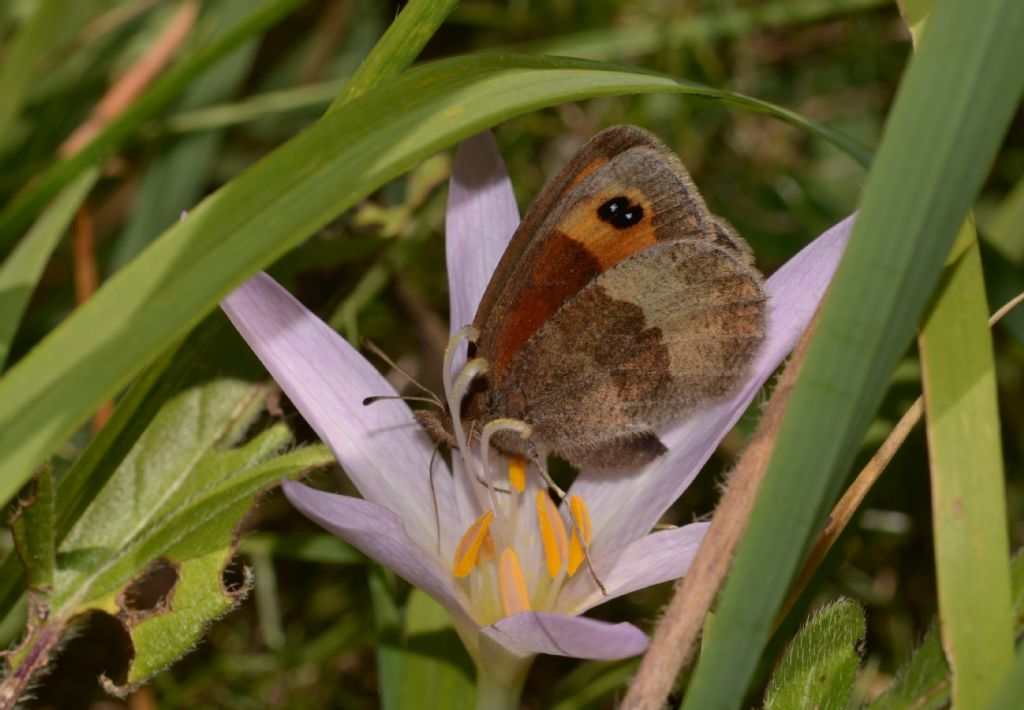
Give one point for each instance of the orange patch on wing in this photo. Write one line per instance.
(562, 266)
(606, 244)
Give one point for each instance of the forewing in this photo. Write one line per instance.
(660, 334)
(623, 193)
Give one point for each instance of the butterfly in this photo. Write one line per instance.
(620, 304)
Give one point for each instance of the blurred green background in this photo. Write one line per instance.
(318, 628)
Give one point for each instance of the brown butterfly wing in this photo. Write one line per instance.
(611, 311)
(563, 244)
(660, 334)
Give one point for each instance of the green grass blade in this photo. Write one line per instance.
(20, 211)
(398, 48)
(949, 116)
(250, 222)
(22, 270)
(256, 107)
(972, 549)
(18, 63)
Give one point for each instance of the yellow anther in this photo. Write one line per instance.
(552, 533)
(517, 473)
(468, 551)
(486, 549)
(514, 597)
(581, 514)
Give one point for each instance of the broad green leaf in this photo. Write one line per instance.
(436, 670)
(23, 268)
(21, 210)
(946, 124)
(398, 48)
(972, 548)
(33, 530)
(19, 64)
(169, 514)
(271, 208)
(821, 662)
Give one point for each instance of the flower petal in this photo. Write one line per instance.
(651, 559)
(626, 506)
(560, 635)
(382, 447)
(482, 216)
(380, 534)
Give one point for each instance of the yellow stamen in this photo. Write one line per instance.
(486, 549)
(581, 514)
(552, 533)
(517, 473)
(514, 597)
(468, 550)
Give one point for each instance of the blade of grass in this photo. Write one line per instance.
(397, 49)
(972, 549)
(22, 270)
(949, 116)
(274, 206)
(21, 210)
(18, 65)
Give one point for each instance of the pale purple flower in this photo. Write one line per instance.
(387, 455)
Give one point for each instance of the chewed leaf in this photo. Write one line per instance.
(169, 623)
(820, 665)
(150, 542)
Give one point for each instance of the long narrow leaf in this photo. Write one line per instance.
(21, 271)
(949, 116)
(274, 206)
(972, 550)
(398, 48)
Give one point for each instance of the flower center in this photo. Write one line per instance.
(520, 550)
(538, 551)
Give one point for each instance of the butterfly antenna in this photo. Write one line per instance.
(433, 497)
(431, 397)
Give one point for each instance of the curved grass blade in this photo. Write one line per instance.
(949, 116)
(273, 207)
(397, 49)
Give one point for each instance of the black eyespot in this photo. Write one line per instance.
(620, 212)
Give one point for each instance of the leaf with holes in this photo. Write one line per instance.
(152, 546)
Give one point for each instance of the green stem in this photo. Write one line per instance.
(499, 688)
